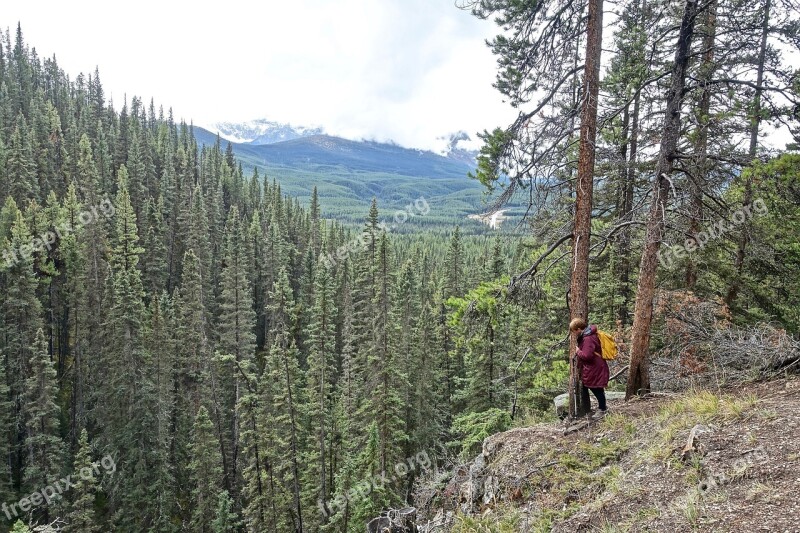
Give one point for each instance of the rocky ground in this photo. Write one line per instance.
(634, 472)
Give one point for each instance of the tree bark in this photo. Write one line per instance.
(579, 285)
(639, 377)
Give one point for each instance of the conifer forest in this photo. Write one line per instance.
(185, 347)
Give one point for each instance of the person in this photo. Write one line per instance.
(592, 366)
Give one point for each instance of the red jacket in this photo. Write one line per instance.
(594, 369)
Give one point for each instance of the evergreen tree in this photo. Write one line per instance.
(454, 265)
(236, 333)
(287, 378)
(320, 388)
(20, 164)
(382, 407)
(6, 425)
(22, 321)
(226, 520)
(20, 527)
(43, 445)
(81, 518)
(154, 268)
(316, 238)
(206, 474)
(258, 454)
(128, 402)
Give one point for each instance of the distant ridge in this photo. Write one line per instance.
(315, 151)
(348, 174)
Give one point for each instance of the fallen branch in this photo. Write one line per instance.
(576, 427)
(619, 373)
(690, 448)
(540, 467)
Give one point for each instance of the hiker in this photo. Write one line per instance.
(594, 369)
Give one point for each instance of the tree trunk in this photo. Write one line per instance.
(638, 377)
(701, 167)
(624, 249)
(747, 199)
(619, 263)
(579, 285)
(294, 446)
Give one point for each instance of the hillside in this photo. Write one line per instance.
(628, 473)
(348, 174)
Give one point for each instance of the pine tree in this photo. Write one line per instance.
(430, 411)
(81, 518)
(154, 268)
(165, 491)
(128, 399)
(258, 455)
(22, 320)
(20, 164)
(206, 473)
(192, 360)
(20, 527)
(236, 332)
(404, 342)
(286, 376)
(44, 447)
(348, 402)
(382, 409)
(87, 177)
(316, 238)
(6, 425)
(226, 520)
(454, 265)
(320, 388)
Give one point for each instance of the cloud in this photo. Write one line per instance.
(407, 71)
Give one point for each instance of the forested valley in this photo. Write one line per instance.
(224, 359)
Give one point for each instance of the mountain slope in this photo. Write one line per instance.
(319, 151)
(348, 174)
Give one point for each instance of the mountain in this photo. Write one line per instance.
(458, 148)
(261, 131)
(324, 150)
(348, 174)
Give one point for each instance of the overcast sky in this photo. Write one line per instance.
(407, 70)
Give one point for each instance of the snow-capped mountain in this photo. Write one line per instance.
(460, 146)
(261, 131)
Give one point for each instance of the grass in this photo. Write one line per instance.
(588, 475)
(608, 527)
(691, 507)
(761, 492)
(507, 522)
(701, 407)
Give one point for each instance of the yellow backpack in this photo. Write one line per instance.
(608, 347)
